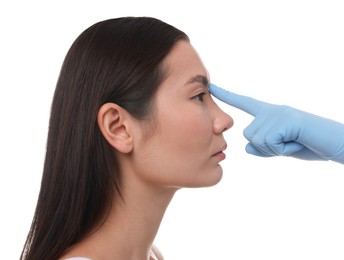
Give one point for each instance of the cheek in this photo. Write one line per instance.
(178, 152)
(187, 127)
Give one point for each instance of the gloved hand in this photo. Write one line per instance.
(283, 130)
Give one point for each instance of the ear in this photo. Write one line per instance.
(113, 122)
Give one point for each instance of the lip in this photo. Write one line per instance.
(220, 153)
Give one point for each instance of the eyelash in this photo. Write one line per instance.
(200, 96)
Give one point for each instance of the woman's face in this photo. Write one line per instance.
(187, 143)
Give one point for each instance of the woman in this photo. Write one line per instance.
(131, 122)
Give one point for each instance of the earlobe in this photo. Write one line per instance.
(113, 123)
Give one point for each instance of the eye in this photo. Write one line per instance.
(199, 96)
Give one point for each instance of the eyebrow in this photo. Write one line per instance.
(199, 78)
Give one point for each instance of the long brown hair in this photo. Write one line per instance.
(116, 60)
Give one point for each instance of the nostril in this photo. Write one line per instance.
(230, 123)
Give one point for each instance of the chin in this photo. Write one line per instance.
(216, 181)
(217, 175)
(213, 178)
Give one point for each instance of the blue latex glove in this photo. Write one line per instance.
(283, 130)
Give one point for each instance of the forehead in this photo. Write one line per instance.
(183, 62)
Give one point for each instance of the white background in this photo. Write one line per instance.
(285, 52)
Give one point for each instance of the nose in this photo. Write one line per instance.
(222, 121)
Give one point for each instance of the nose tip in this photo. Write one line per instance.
(229, 123)
(223, 123)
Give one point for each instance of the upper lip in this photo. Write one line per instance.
(223, 147)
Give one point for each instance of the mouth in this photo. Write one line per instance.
(220, 153)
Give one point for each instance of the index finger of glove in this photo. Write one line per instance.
(247, 104)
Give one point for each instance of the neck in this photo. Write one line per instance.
(132, 224)
(139, 216)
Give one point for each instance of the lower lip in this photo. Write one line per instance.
(221, 156)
